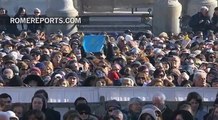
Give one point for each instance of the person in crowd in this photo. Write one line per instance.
(118, 115)
(159, 101)
(12, 115)
(56, 115)
(35, 115)
(182, 115)
(85, 112)
(184, 105)
(19, 110)
(80, 100)
(199, 79)
(39, 102)
(37, 27)
(214, 20)
(201, 21)
(5, 25)
(6, 99)
(196, 104)
(150, 112)
(110, 106)
(21, 13)
(135, 108)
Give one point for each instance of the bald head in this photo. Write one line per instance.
(8, 73)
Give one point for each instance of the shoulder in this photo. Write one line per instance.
(49, 110)
(93, 117)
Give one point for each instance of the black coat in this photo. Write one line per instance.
(167, 113)
(52, 114)
(214, 23)
(196, 25)
(33, 27)
(6, 26)
(15, 81)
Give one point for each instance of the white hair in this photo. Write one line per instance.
(161, 96)
(199, 73)
(118, 113)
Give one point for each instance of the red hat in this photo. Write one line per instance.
(36, 69)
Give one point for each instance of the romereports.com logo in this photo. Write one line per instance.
(46, 20)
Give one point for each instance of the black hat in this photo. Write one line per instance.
(84, 60)
(127, 31)
(7, 42)
(71, 74)
(44, 57)
(83, 108)
(36, 78)
(27, 57)
(35, 51)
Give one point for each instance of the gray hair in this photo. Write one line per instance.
(118, 113)
(161, 96)
(199, 73)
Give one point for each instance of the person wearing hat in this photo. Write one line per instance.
(33, 80)
(7, 46)
(33, 27)
(128, 35)
(110, 106)
(134, 108)
(12, 115)
(72, 78)
(150, 112)
(85, 112)
(201, 21)
(35, 53)
(8, 60)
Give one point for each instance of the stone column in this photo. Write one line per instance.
(61, 8)
(166, 15)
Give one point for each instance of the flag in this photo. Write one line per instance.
(93, 43)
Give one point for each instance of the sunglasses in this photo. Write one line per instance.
(24, 69)
(143, 78)
(111, 110)
(82, 113)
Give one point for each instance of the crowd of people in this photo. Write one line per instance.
(30, 57)
(188, 59)
(136, 109)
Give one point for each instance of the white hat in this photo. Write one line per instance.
(151, 110)
(128, 38)
(204, 8)
(11, 114)
(37, 10)
(58, 75)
